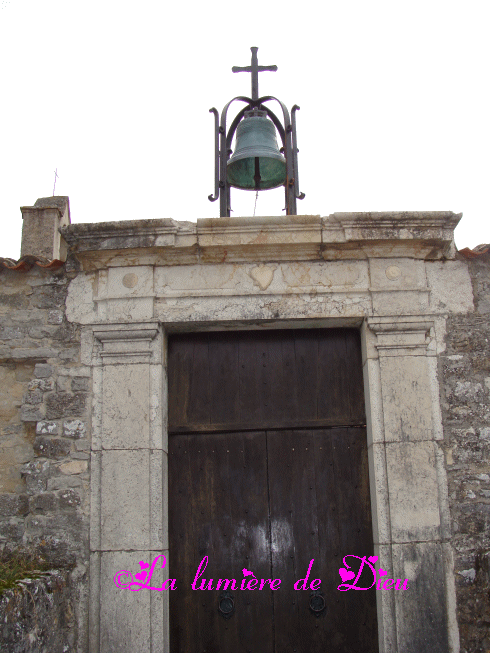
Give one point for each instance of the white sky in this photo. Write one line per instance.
(116, 95)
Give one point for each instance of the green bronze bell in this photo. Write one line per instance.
(256, 163)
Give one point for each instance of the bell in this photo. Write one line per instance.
(256, 163)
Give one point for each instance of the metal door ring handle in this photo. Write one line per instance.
(317, 603)
(226, 605)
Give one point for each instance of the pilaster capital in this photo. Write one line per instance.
(128, 344)
(401, 336)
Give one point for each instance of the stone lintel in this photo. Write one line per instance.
(420, 235)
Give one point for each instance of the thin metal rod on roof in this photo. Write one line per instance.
(55, 178)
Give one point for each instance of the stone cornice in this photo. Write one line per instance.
(421, 235)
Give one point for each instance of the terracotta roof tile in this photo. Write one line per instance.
(26, 263)
(479, 250)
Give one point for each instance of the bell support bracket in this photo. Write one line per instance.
(223, 140)
(213, 198)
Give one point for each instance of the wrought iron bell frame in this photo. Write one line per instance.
(222, 149)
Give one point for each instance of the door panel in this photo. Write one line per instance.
(269, 496)
(220, 510)
(253, 380)
(319, 499)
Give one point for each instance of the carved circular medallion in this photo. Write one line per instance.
(393, 272)
(130, 280)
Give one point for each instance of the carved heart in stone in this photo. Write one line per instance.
(263, 275)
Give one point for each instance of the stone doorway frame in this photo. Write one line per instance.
(125, 314)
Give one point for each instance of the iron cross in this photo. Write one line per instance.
(255, 69)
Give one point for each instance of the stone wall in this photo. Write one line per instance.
(44, 449)
(465, 401)
(38, 617)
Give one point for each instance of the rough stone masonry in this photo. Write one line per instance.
(464, 369)
(44, 459)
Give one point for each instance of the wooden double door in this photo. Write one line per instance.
(267, 472)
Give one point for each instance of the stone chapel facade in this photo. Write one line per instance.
(86, 315)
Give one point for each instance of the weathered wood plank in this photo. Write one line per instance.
(260, 380)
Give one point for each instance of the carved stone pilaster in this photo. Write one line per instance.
(128, 489)
(409, 486)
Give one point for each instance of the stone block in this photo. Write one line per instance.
(30, 413)
(47, 428)
(69, 354)
(61, 404)
(80, 456)
(127, 310)
(126, 407)
(134, 281)
(12, 531)
(63, 482)
(473, 518)
(55, 317)
(41, 370)
(450, 284)
(80, 306)
(43, 502)
(51, 297)
(125, 624)
(73, 467)
(12, 505)
(45, 385)
(65, 526)
(421, 609)
(395, 302)
(80, 384)
(36, 484)
(125, 509)
(75, 429)
(69, 499)
(485, 433)
(13, 333)
(63, 383)
(36, 474)
(413, 491)
(259, 238)
(40, 332)
(396, 274)
(32, 398)
(250, 278)
(51, 447)
(407, 398)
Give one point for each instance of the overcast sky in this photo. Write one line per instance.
(116, 96)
